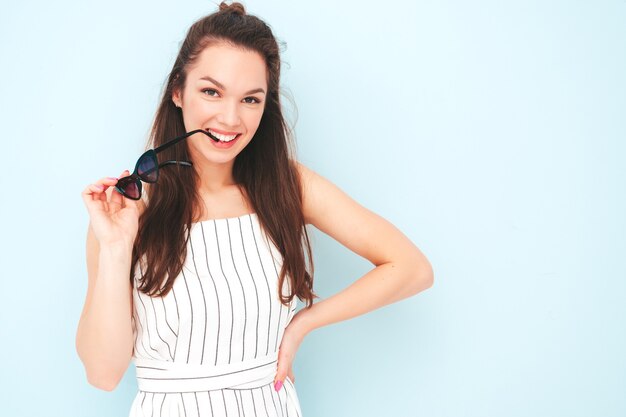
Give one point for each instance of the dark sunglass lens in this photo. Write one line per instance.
(132, 191)
(147, 168)
(130, 188)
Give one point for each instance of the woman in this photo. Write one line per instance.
(216, 231)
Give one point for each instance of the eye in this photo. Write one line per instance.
(254, 100)
(211, 91)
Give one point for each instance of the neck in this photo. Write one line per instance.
(215, 177)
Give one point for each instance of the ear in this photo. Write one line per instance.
(176, 98)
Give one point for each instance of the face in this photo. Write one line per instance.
(225, 94)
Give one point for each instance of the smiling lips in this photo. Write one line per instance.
(220, 136)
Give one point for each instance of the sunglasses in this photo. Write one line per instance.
(147, 168)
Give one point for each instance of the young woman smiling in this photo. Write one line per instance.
(196, 276)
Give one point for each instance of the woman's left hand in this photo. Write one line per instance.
(294, 334)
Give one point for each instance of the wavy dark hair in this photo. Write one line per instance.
(265, 170)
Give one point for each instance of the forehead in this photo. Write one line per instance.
(234, 67)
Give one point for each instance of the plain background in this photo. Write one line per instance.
(492, 133)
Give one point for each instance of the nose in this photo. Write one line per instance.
(229, 113)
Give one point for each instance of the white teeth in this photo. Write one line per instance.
(223, 138)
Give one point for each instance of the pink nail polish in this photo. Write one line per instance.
(278, 385)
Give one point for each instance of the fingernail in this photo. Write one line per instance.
(278, 385)
(111, 178)
(100, 187)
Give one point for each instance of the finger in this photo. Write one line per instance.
(124, 201)
(278, 384)
(291, 376)
(116, 198)
(87, 195)
(92, 196)
(92, 192)
(107, 182)
(96, 191)
(280, 377)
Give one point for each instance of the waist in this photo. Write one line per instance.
(163, 376)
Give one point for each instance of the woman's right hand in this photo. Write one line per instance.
(114, 218)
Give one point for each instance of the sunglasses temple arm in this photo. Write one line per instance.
(162, 164)
(176, 140)
(184, 163)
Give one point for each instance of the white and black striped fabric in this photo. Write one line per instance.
(210, 346)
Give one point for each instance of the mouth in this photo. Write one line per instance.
(219, 137)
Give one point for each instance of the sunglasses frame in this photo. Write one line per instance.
(135, 178)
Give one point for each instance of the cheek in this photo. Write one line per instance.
(201, 107)
(253, 119)
(197, 113)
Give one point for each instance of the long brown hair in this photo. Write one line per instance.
(264, 170)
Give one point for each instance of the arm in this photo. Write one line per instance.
(401, 270)
(104, 338)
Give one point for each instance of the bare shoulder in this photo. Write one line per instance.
(335, 213)
(314, 186)
(319, 195)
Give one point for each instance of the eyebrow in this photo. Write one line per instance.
(220, 85)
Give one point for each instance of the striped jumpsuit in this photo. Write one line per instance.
(210, 346)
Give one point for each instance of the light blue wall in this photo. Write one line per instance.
(492, 133)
